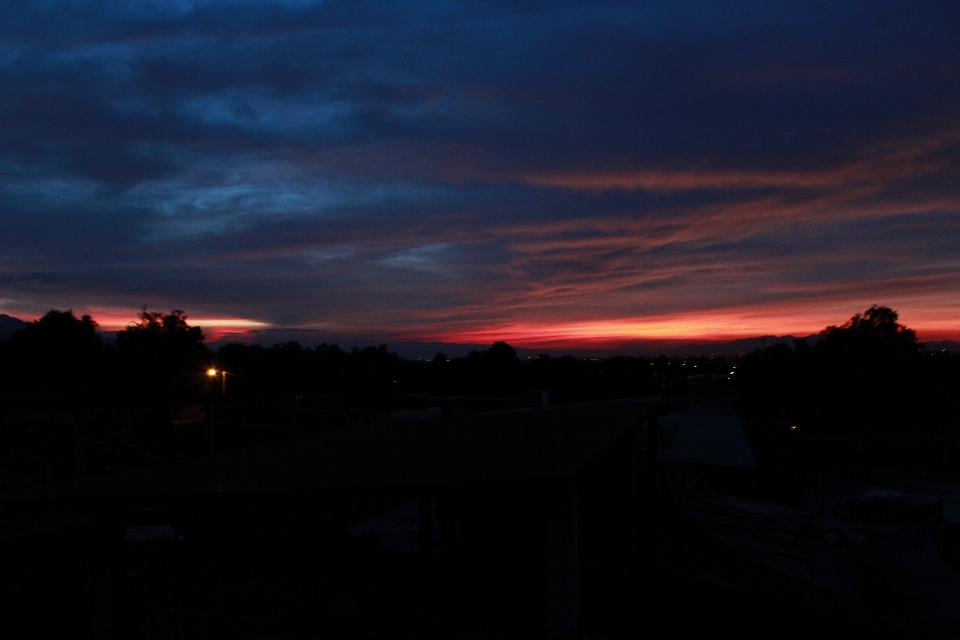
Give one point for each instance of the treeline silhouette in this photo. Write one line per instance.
(162, 358)
(868, 376)
(159, 356)
(377, 372)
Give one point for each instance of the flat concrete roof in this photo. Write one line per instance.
(706, 439)
(552, 442)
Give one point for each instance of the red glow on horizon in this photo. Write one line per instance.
(701, 327)
(214, 328)
(932, 322)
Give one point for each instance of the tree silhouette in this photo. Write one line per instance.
(868, 369)
(59, 352)
(874, 334)
(162, 354)
(868, 375)
(494, 371)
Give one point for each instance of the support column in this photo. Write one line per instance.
(650, 546)
(208, 416)
(629, 500)
(624, 571)
(425, 523)
(108, 574)
(563, 570)
(79, 448)
(653, 458)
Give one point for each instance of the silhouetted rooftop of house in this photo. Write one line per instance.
(551, 442)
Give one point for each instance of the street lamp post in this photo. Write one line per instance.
(223, 379)
(212, 373)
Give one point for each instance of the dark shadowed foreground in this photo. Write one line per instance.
(800, 489)
(575, 521)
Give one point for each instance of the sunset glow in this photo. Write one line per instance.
(557, 175)
(699, 327)
(114, 320)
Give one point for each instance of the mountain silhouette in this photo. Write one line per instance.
(10, 325)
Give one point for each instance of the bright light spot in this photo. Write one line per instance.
(227, 323)
(211, 372)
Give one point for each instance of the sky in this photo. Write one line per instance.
(558, 173)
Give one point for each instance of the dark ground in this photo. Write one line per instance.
(257, 585)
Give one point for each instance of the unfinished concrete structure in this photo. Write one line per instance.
(544, 497)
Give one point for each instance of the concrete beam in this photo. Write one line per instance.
(563, 565)
(108, 574)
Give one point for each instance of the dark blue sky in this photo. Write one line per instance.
(467, 171)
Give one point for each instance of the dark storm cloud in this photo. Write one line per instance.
(415, 166)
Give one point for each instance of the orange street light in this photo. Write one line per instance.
(223, 379)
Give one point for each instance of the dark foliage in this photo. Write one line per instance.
(290, 370)
(58, 353)
(64, 355)
(869, 375)
(161, 355)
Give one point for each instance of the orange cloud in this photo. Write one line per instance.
(884, 165)
(213, 327)
(931, 324)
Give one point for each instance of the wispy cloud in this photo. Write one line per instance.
(449, 169)
(884, 166)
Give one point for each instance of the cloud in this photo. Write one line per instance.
(426, 168)
(426, 258)
(921, 158)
